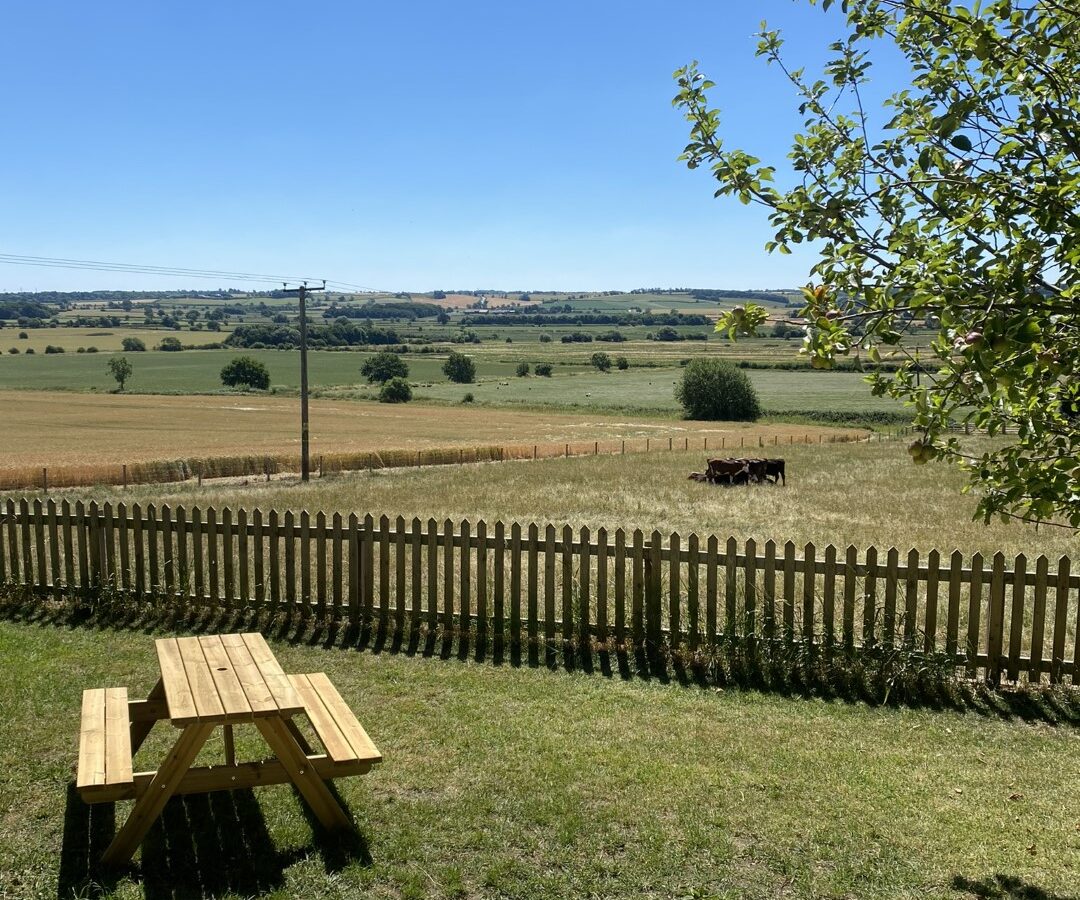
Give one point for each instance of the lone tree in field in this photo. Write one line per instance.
(120, 369)
(132, 344)
(717, 390)
(459, 368)
(956, 206)
(522, 369)
(246, 371)
(383, 366)
(396, 390)
(601, 361)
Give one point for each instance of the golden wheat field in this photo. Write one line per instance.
(67, 432)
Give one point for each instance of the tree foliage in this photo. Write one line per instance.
(460, 368)
(132, 344)
(383, 366)
(715, 389)
(120, 369)
(395, 390)
(955, 204)
(601, 361)
(246, 371)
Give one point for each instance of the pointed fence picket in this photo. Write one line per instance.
(534, 584)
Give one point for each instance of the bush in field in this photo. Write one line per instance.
(545, 339)
(132, 344)
(468, 398)
(543, 370)
(601, 361)
(383, 366)
(715, 389)
(460, 368)
(522, 369)
(622, 363)
(245, 371)
(23, 336)
(13, 350)
(395, 390)
(91, 349)
(120, 369)
(171, 345)
(52, 348)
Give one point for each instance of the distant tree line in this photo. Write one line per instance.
(340, 334)
(585, 318)
(407, 311)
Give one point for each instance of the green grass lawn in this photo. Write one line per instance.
(506, 782)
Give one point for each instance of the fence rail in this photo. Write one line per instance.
(1015, 619)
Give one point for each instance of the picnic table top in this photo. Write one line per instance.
(224, 678)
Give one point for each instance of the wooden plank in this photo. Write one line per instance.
(306, 604)
(5, 528)
(448, 576)
(108, 540)
(620, 588)
(416, 561)
(13, 541)
(228, 568)
(243, 550)
(952, 627)
(971, 645)
(367, 570)
(183, 569)
(637, 600)
(273, 539)
(153, 558)
(549, 586)
(808, 599)
(258, 556)
(208, 703)
(911, 598)
(354, 732)
(1016, 622)
(213, 576)
(995, 619)
(91, 769)
(481, 577)
(432, 575)
(693, 567)
(197, 555)
(320, 565)
(653, 591)
(352, 541)
(892, 564)
(230, 691)
(337, 574)
(465, 579)
(1038, 619)
(1061, 607)
(168, 556)
(69, 551)
(515, 584)
(54, 553)
(138, 546)
(174, 680)
(289, 536)
(674, 590)
(384, 570)
(333, 739)
(533, 586)
(828, 599)
(27, 544)
(39, 547)
(933, 564)
(277, 681)
(498, 584)
(1076, 648)
(602, 585)
(256, 691)
(117, 737)
(851, 562)
(399, 574)
(567, 585)
(769, 591)
(789, 591)
(870, 599)
(731, 624)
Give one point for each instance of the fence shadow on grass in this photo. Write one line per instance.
(790, 670)
(1005, 887)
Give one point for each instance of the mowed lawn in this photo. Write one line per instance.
(504, 782)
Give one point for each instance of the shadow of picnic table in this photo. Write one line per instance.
(204, 845)
(1005, 887)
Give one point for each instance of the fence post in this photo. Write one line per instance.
(320, 465)
(624, 447)
(596, 448)
(653, 590)
(125, 475)
(44, 480)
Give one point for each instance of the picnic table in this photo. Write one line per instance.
(209, 682)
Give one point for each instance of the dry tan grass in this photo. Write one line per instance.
(93, 435)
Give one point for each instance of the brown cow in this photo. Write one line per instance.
(722, 471)
(775, 469)
(756, 469)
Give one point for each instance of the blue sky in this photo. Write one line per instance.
(396, 146)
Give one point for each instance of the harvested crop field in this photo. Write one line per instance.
(66, 430)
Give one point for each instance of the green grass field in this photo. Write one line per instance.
(523, 783)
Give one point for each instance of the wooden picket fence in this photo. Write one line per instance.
(540, 585)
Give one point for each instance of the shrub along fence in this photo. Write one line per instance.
(559, 588)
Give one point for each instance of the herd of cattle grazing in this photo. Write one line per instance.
(742, 471)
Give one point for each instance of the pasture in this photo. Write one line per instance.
(508, 782)
(105, 339)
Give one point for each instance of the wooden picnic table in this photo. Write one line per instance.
(209, 682)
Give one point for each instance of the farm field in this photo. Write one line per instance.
(862, 494)
(104, 338)
(579, 786)
(43, 428)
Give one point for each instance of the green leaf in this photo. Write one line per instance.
(961, 142)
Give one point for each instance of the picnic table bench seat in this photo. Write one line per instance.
(341, 734)
(104, 745)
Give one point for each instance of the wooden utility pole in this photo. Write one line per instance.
(305, 459)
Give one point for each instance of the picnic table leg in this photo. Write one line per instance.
(230, 747)
(139, 730)
(149, 806)
(298, 735)
(303, 774)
